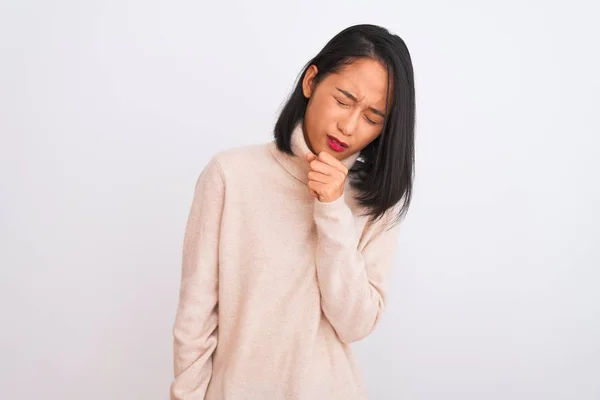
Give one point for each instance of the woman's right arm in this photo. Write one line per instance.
(195, 328)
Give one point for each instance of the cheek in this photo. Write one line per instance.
(326, 107)
(327, 113)
(368, 138)
(319, 114)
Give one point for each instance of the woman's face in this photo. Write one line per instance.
(349, 106)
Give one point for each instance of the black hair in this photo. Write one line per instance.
(383, 174)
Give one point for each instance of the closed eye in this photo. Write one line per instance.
(370, 121)
(340, 103)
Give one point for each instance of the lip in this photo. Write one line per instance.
(345, 145)
(335, 145)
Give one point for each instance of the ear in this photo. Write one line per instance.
(308, 82)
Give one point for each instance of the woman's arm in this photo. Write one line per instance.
(195, 328)
(352, 282)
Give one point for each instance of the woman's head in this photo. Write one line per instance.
(349, 105)
(360, 90)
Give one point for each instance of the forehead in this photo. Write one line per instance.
(364, 78)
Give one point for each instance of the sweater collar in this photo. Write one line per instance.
(297, 164)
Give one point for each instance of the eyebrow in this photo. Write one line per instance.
(353, 97)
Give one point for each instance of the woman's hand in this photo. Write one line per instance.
(326, 177)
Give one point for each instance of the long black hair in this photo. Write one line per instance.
(383, 174)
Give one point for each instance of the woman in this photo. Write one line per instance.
(288, 245)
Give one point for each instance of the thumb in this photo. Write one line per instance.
(310, 156)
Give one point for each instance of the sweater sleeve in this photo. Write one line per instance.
(195, 328)
(352, 282)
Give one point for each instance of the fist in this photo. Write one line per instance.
(326, 177)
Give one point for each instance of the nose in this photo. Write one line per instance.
(348, 124)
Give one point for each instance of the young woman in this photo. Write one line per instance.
(289, 243)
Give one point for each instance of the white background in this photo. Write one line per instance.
(109, 110)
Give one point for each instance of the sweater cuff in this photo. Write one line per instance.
(332, 209)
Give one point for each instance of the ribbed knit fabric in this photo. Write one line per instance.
(275, 284)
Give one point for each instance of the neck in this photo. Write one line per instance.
(297, 164)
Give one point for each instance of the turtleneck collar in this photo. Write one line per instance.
(297, 165)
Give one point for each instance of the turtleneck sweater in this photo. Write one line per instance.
(275, 284)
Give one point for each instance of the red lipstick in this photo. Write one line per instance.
(335, 144)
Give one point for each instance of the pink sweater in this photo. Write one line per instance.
(275, 284)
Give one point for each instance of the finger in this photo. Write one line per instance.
(310, 156)
(311, 189)
(312, 192)
(319, 187)
(326, 169)
(319, 177)
(332, 161)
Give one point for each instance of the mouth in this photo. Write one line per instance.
(336, 144)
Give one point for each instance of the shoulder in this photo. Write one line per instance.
(235, 155)
(234, 161)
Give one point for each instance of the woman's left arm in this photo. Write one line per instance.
(352, 282)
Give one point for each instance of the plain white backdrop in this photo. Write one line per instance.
(109, 111)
